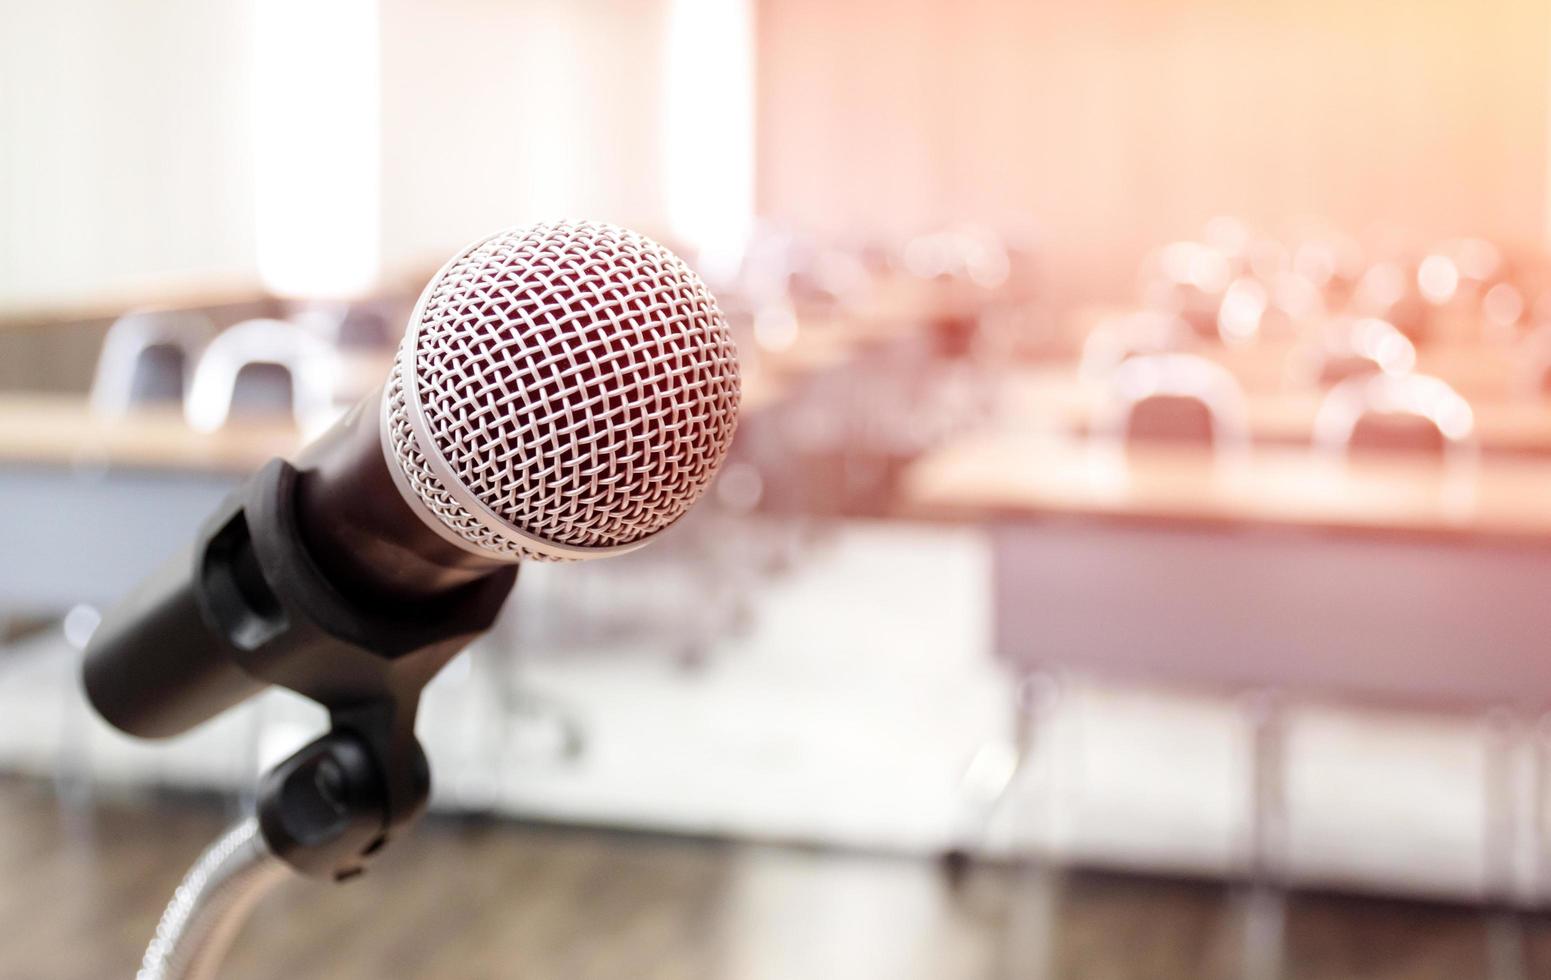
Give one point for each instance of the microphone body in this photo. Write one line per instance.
(297, 566)
(562, 392)
(374, 544)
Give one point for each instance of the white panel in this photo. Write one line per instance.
(314, 104)
(498, 114)
(123, 145)
(1372, 616)
(710, 128)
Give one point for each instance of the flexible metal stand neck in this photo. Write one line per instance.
(322, 812)
(211, 904)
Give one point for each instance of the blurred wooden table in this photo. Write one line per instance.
(1004, 475)
(90, 504)
(62, 430)
(1396, 579)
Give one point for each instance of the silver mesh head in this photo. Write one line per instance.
(562, 391)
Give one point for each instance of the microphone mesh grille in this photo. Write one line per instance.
(577, 379)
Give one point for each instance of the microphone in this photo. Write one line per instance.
(562, 392)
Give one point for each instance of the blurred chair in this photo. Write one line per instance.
(893, 403)
(673, 602)
(1454, 280)
(1396, 413)
(972, 253)
(781, 267)
(264, 367)
(367, 326)
(1352, 347)
(1243, 310)
(1118, 339)
(147, 358)
(349, 326)
(1534, 374)
(1502, 312)
(1174, 398)
(831, 278)
(1188, 279)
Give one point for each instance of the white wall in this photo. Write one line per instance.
(123, 145)
(1117, 125)
(126, 133)
(498, 113)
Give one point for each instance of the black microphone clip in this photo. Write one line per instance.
(247, 607)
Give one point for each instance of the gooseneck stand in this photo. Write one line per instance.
(251, 608)
(211, 905)
(319, 812)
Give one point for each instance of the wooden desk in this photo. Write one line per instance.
(62, 430)
(1030, 476)
(1390, 581)
(89, 505)
(1058, 397)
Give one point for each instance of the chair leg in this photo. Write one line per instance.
(1031, 937)
(72, 767)
(1539, 827)
(1507, 954)
(1265, 919)
(520, 723)
(1265, 904)
(989, 778)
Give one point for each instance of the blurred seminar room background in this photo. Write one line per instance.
(1133, 560)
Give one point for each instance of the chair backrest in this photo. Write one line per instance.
(972, 253)
(1118, 339)
(348, 325)
(147, 357)
(267, 355)
(1174, 398)
(1354, 348)
(1405, 412)
(1534, 360)
(1242, 311)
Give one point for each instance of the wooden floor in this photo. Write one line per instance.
(79, 895)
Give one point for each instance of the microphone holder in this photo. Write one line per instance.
(328, 809)
(320, 812)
